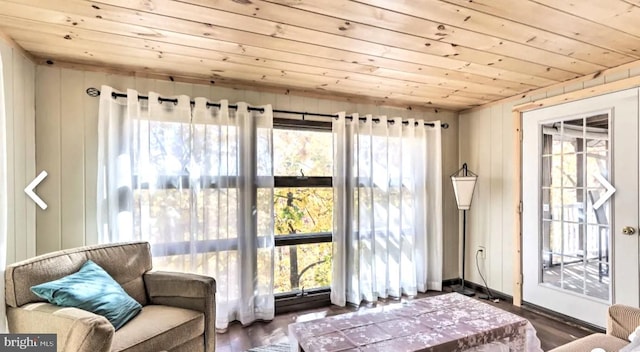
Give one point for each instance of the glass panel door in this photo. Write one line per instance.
(579, 254)
(575, 234)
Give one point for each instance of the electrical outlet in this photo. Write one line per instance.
(483, 252)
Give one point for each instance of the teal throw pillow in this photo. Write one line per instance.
(91, 289)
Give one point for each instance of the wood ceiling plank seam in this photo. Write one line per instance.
(116, 60)
(615, 14)
(603, 37)
(244, 85)
(285, 69)
(26, 27)
(463, 85)
(144, 31)
(358, 29)
(293, 33)
(318, 82)
(471, 22)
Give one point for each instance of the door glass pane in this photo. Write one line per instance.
(552, 166)
(551, 243)
(597, 165)
(575, 234)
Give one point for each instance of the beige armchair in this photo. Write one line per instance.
(621, 321)
(178, 313)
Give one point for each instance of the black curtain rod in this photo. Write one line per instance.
(94, 92)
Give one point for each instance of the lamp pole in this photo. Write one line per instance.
(462, 289)
(464, 185)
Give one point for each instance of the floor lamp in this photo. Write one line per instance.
(464, 182)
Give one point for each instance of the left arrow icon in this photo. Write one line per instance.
(29, 190)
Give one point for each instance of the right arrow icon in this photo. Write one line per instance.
(610, 191)
(29, 190)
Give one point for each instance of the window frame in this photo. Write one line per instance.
(315, 297)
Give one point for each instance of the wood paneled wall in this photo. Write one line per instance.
(486, 144)
(66, 135)
(18, 82)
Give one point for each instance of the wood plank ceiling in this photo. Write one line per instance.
(452, 54)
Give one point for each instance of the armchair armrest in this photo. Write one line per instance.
(183, 290)
(622, 320)
(76, 329)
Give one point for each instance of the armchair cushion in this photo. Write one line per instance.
(91, 289)
(157, 328)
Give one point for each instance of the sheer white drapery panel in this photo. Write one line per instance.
(387, 208)
(115, 158)
(433, 245)
(233, 152)
(196, 181)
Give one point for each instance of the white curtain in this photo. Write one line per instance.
(387, 233)
(3, 199)
(196, 181)
(115, 160)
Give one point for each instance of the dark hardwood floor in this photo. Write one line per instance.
(551, 331)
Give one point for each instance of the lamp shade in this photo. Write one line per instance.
(464, 181)
(463, 187)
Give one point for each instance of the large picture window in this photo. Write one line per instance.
(302, 201)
